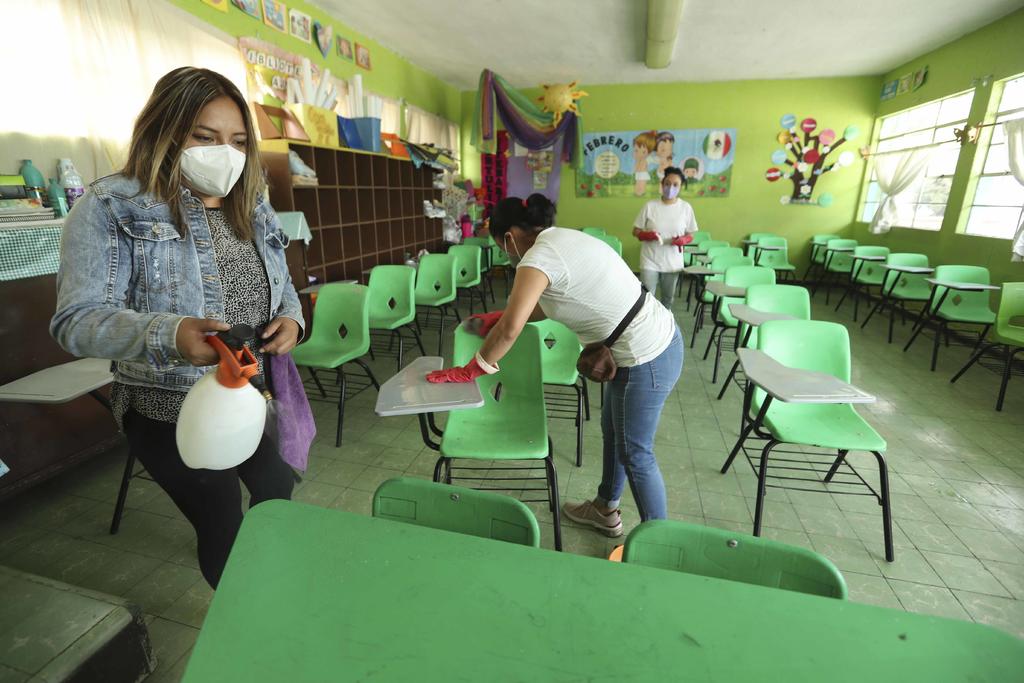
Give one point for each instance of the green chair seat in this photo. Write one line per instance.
(964, 307)
(829, 426)
(341, 331)
(970, 315)
(722, 554)
(391, 297)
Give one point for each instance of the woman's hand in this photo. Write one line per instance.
(191, 340)
(283, 334)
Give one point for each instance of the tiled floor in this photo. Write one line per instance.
(957, 478)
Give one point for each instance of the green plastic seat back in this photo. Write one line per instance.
(788, 299)
(870, 272)
(960, 305)
(722, 554)
(715, 252)
(559, 350)
(709, 244)
(841, 262)
(1011, 305)
(819, 251)
(468, 258)
(391, 296)
(435, 278)
(808, 345)
(700, 237)
(775, 258)
(742, 276)
(458, 509)
(909, 286)
(594, 231)
(755, 238)
(612, 241)
(341, 323)
(485, 248)
(724, 262)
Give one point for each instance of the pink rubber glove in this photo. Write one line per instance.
(466, 373)
(647, 236)
(483, 322)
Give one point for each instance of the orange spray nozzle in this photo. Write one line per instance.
(237, 366)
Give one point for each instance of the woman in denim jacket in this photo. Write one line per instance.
(177, 246)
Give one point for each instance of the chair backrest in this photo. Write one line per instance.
(840, 261)
(822, 239)
(722, 554)
(774, 257)
(521, 376)
(818, 243)
(726, 261)
(453, 508)
(559, 350)
(341, 317)
(594, 231)
(745, 276)
(468, 264)
(755, 239)
(870, 272)
(908, 282)
(808, 345)
(788, 299)
(485, 245)
(709, 244)
(958, 303)
(612, 241)
(700, 237)
(716, 251)
(436, 275)
(1011, 305)
(391, 292)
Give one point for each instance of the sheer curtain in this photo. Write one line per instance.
(94, 64)
(425, 128)
(1015, 150)
(896, 171)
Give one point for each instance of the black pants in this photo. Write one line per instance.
(210, 499)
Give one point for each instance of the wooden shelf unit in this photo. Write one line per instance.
(367, 210)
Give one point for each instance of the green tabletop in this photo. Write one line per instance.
(318, 595)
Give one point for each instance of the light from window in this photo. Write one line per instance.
(924, 202)
(998, 204)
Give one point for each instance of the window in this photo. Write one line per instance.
(999, 199)
(928, 124)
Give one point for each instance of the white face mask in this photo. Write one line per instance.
(212, 170)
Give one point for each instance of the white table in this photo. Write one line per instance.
(792, 385)
(700, 271)
(61, 383)
(718, 288)
(930, 311)
(409, 393)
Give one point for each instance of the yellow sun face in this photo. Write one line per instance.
(560, 98)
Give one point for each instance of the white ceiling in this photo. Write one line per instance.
(602, 41)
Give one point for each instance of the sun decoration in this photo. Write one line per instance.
(558, 99)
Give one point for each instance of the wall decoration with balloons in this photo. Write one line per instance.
(805, 155)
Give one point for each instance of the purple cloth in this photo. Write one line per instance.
(295, 425)
(520, 176)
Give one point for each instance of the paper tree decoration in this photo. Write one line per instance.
(558, 99)
(804, 159)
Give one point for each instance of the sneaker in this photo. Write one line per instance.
(587, 513)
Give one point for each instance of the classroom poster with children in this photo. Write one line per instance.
(632, 163)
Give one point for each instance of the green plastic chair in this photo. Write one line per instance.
(392, 305)
(790, 300)
(817, 258)
(735, 276)
(499, 259)
(596, 232)
(755, 238)
(776, 259)
(559, 351)
(612, 241)
(511, 425)
(721, 262)
(486, 265)
(1008, 335)
(703, 242)
(864, 275)
(717, 250)
(341, 334)
(899, 288)
(947, 306)
(469, 272)
(837, 267)
(435, 288)
(698, 238)
(457, 509)
(721, 554)
(822, 347)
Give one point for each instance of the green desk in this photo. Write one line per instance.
(319, 596)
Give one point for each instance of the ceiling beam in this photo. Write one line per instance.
(662, 30)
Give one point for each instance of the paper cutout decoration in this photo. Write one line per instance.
(219, 5)
(807, 156)
(250, 7)
(322, 36)
(300, 25)
(560, 98)
(274, 15)
(345, 49)
(363, 56)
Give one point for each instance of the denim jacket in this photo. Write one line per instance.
(129, 275)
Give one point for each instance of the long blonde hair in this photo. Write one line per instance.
(164, 125)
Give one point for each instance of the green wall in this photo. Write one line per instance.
(391, 76)
(753, 108)
(997, 51)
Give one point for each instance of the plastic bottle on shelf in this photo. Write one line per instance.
(35, 183)
(71, 181)
(58, 202)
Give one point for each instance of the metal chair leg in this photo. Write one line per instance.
(1007, 371)
(883, 478)
(323, 394)
(586, 397)
(728, 379)
(122, 493)
(975, 357)
(341, 407)
(369, 372)
(556, 508)
(416, 335)
(762, 476)
(579, 426)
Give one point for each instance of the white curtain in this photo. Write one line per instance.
(422, 127)
(105, 55)
(896, 171)
(1015, 149)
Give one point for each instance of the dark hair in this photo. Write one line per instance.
(675, 170)
(533, 214)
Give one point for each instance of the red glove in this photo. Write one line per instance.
(647, 236)
(481, 323)
(682, 240)
(466, 373)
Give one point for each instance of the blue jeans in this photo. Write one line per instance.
(629, 419)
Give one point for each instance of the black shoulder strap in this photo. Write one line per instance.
(624, 323)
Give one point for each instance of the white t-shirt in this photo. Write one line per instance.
(591, 289)
(669, 221)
